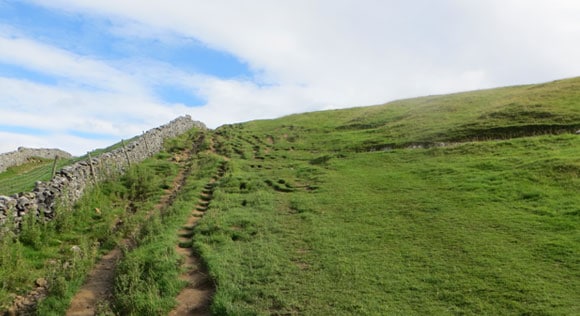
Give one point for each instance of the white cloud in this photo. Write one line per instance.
(91, 96)
(71, 144)
(370, 51)
(11, 141)
(306, 55)
(57, 111)
(59, 63)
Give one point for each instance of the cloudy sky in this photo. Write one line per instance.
(83, 74)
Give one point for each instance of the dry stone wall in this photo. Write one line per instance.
(69, 183)
(21, 156)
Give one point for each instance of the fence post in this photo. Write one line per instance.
(146, 145)
(54, 167)
(126, 153)
(101, 171)
(92, 168)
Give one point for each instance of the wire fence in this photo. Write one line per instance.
(17, 182)
(24, 182)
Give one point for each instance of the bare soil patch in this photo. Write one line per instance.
(195, 298)
(98, 288)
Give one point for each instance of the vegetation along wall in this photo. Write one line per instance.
(69, 183)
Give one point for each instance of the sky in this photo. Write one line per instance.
(84, 74)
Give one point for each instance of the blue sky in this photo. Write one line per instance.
(79, 75)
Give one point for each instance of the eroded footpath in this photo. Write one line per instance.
(98, 290)
(195, 298)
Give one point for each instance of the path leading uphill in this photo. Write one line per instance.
(97, 292)
(195, 298)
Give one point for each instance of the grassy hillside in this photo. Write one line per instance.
(481, 115)
(458, 204)
(339, 213)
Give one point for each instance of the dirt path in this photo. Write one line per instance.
(99, 286)
(97, 292)
(195, 298)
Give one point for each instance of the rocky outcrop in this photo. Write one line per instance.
(69, 183)
(22, 155)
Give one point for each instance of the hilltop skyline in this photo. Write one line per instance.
(79, 75)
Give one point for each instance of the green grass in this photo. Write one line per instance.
(147, 281)
(44, 249)
(482, 228)
(330, 213)
(462, 204)
(480, 115)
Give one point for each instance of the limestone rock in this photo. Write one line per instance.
(41, 282)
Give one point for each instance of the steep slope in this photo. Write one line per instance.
(480, 115)
(456, 204)
(464, 203)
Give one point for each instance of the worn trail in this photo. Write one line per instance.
(97, 291)
(195, 298)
